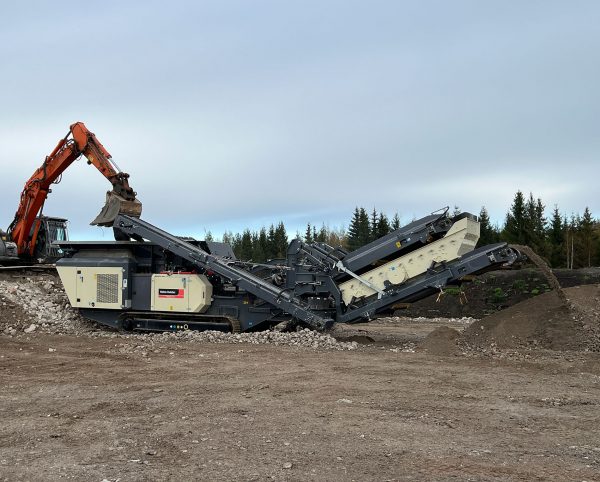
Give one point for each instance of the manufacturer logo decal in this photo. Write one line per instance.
(170, 293)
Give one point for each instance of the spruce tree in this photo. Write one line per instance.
(246, 246)
(540, 221)
(395, 222)
(281, 242)
(354, 231)
(236, 245)
(308, 236)
(263, 242)
(556, 238)
(586, 234)
(258, 254)
(373, 223)
(487, 232)
(322, 235)
(514, 227)
(383, 226)
(364, 227)
(271, 243)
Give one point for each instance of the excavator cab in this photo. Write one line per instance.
(8, 249)
(49, 230)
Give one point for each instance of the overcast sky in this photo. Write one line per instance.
(241, 113)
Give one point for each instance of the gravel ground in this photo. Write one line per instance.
(98, 408)
(82, 402)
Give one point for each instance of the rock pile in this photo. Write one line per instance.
(463, 320)
(304, 338)
(39, 303)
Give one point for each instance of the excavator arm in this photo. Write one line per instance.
(78, 141)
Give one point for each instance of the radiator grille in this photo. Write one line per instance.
(107, 288)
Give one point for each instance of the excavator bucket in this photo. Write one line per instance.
(114, 206)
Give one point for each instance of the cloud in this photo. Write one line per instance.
(240, 114)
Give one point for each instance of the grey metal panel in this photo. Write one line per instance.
(223, 250)
(398, 241)
(141, 291)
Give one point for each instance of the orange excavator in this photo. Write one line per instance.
(30, 235)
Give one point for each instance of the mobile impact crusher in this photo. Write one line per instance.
(155, 281)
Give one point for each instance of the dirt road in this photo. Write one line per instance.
(105, 409)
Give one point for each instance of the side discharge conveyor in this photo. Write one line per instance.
(157, 281)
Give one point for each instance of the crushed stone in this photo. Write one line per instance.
(35, 304)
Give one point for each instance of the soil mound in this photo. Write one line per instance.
(546, 321)
(441, 341)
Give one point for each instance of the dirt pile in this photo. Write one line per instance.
(545, 321)
(559, 320)
(441, 341)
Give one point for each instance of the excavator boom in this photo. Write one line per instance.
(23, 231)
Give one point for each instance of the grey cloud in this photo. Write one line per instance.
(242, 113)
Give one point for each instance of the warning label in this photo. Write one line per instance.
(171, 293)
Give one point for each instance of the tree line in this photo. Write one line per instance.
(564, 241)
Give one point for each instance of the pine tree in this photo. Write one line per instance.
(322, 235)
(271, 243)
(236, 245)
(246, 246)
(308, 236)
(258, 255)
(281, 241)
(569, 240)
(556, 238)
(514, 227)
(359, 232)
(373, 223)
(364, 227)
(576, 252)
(540, 221)
(354, 231)
(587, 235)
(534, 233)
(555, 233)
(263, 242)
(395, 222)
(487, 233)
(383, 226)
